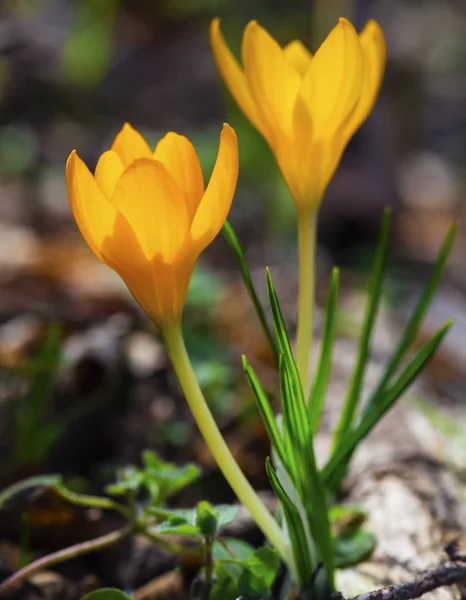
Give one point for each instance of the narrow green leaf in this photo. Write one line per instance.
(279, 323)
(295, 420)
(295, 525)
(287, 367)
(422, 306)
(314, 499)
(375, 411)
(409, 334)
(322, 376)
(373, 300)
(266, 411)
(299, 442)
(233, 242)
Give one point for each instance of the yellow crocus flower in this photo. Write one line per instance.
(147, 215)
(306, 107)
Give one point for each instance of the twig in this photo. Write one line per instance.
(443, 576)
(62, 555)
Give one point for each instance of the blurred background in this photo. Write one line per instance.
(85, 386)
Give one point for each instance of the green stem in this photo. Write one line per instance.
(213, 438)
(171, 546)
(208, 566)
(307, 229)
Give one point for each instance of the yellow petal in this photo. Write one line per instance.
(129, 144)
(215, 205)
(273, 81)
(233, 76)
(124, 254)
(108, 171)
(332, 84)
(106, 231)
(94, 214)
(154, 206)
(301, 166)
(179, 157)
(298, 56)
(373, 45)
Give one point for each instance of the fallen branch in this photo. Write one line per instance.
(443, 576)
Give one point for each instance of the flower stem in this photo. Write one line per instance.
(307, 230)
(213, 438)
(57, 557)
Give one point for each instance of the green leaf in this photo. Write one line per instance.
(106, 594)
(322, 376)
(299, 444)
(373, 300)
(227, 513)
(231, 548)
(181, 528)
(413, 326)
(26, 484)
(375, 411)
(164, 479)
(130, 479)
(207, 519)
(165, 514)
(225, 586)
(233, 242)
(259, 572)
(283, 339)
(351, 550)
(298, 539)
(266, 411)
(379, 394)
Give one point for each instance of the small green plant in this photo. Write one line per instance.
(307, 493)
(137, 495)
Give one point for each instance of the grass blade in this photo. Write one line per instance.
(422, 306)
(266, 412)
(284, 343)
(298, 539)
(322, 376)
(233, 242)
(375, 411)
(373, 300)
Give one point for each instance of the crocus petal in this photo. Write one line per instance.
(92, 211)
(373, 45)
(233, 76)
(108, 171)
(215, 205)
(106, 231)
(129, 144)
(122, 251)
(332, 84)
(179, 157)
(298, 56)
(273, 81)
(154, 206)
(303, 162)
